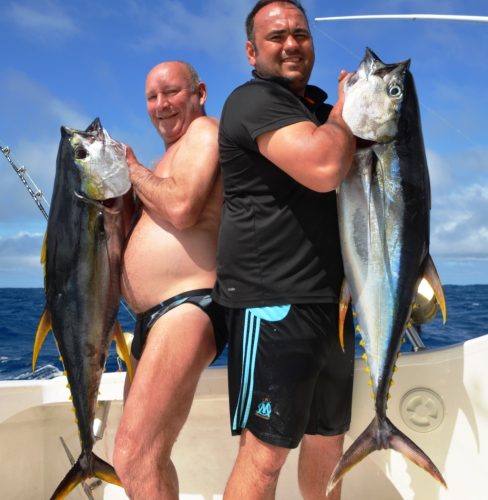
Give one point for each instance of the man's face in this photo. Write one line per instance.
(171, 103)
(282, 45)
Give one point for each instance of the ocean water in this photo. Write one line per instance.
(21, 308)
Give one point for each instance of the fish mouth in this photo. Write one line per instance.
(364, 143)
(109, 202)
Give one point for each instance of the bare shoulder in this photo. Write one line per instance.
(198, 147)
(205, 122)
(202, 129)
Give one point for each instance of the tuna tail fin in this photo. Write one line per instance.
(382, 434)
(344, 301)
(78, 473)
(43, 329)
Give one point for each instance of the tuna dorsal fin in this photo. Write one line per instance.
(344, 301)
(432, 277)
(122, 348)
(43, 328)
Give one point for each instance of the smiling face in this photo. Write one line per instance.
(282, 45)
(173, 100)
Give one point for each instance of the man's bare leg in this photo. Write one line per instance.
(318, 457)
(179, 346)
(256, 471)
(134, 362)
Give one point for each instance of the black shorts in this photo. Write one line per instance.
(200, 298)
(288, 375)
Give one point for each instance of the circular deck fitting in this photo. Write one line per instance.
(422, 410)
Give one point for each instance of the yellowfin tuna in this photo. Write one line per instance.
(81, 257)
(384, 210)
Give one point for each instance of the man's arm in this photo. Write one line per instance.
(181, 197)
(318, 157)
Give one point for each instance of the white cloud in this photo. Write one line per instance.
(42, 18)
(459, 225)
(38, 102)
(211, 29)
(20, 251)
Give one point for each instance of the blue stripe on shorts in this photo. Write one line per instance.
(252, 322)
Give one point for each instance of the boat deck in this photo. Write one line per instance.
(439, 399)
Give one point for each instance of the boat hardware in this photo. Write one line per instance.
(422, 409)
(411, 17)
(413, 336)
(100, 421)
(36, 194)
(87, 488)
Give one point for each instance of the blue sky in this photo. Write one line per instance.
(64, 63)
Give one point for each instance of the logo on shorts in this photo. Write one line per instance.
(264, 409)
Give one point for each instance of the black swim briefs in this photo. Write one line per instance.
(201, 298)
(288, 375)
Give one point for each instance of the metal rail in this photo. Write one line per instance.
(411, 17)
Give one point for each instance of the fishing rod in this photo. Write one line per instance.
(411, 17)
(35, 193)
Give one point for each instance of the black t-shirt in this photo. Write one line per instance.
(279, 241)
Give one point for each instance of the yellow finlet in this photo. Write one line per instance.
(122, 348)
(344, 300)
(43, 328)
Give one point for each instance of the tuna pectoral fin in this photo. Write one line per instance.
(381, 434)
(122, 347)
(43, 329)
(432, 277)
(344, 300)
(78, 473)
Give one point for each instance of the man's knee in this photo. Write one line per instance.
(266, 458)
(123, 456)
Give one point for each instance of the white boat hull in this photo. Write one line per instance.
(452, 430)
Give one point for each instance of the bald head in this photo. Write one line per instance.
(182, 67)
(175, 96)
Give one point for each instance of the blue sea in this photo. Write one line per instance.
(21, 308)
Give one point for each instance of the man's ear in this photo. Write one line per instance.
(251, 53)
(202, 93)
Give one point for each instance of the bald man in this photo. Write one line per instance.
(167, 278)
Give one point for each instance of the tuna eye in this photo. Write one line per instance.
(80, 153)
(395, 91)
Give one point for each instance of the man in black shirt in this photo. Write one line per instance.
(283, 152)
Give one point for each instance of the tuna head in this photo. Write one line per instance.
(100, 161)
(373, 98)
